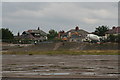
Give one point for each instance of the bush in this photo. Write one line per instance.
(114, 38)
(118, 38)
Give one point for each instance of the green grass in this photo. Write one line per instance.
(69, 52)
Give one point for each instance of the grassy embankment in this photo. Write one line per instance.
(69, 48)
(68, 52)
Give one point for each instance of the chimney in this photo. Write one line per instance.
(18, 34)
(113, 27)
(63, 31)
(38, 28)
(76, 28)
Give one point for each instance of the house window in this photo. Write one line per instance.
(37, 34)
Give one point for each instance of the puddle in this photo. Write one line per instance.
(88, 73)
(61, 73)
(14, 55)
(12, 71)
(96, 74)
(113, 74)
(46, 70)
(27, 73)
(40, 70)
(42, 65)
(39, 65)
(25, 65)
(62, 62)
(19, 68)
(32, 65)
(44, 73)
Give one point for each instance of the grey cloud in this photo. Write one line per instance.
(64, 15)
(14, 6)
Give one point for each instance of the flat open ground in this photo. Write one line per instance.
(60, 66)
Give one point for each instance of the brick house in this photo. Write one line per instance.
(113, 31)
(73, 35)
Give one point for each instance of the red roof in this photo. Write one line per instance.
(115, 30)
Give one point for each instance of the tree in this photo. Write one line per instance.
(118, 38)
(52, 34)
(6, 34)
(100, 31)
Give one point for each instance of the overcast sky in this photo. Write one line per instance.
(20, 16)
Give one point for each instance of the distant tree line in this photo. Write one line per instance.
(7, 35)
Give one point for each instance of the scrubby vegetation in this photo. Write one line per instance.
(114, 38)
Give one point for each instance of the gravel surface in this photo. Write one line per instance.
(60, 66)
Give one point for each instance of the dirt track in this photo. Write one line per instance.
(60, 66)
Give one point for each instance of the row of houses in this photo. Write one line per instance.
(73, 35)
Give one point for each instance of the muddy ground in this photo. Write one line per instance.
(60, 66)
